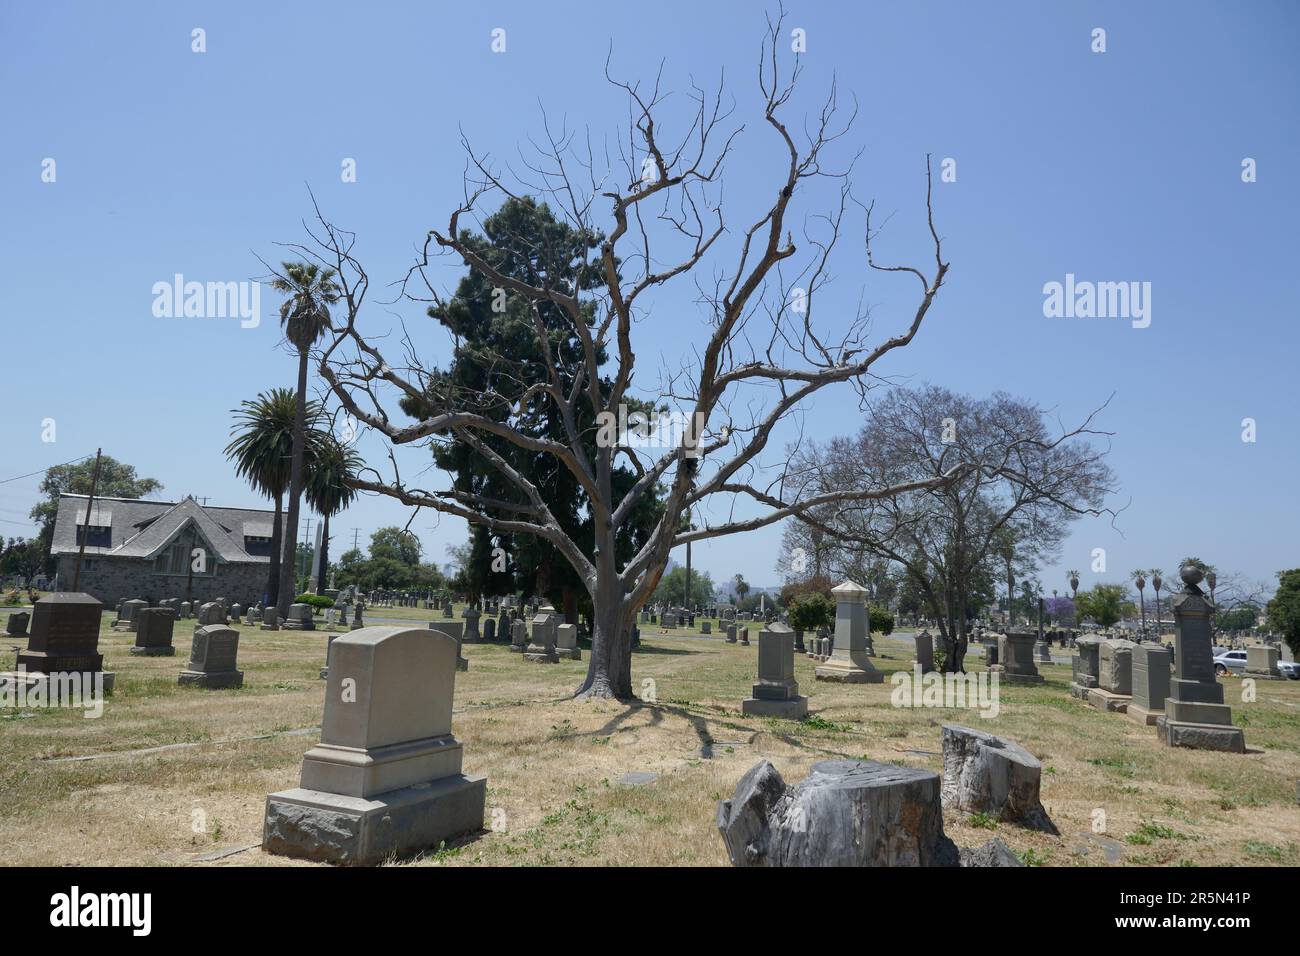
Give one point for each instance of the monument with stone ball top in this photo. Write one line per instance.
(1195, 714)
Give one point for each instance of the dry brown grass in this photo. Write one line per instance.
(554, 766)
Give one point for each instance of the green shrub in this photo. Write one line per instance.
(318, 601)
(811, 611)
(882, 622)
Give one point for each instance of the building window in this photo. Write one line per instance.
(99, 537)
(257, 546)
(176, 560)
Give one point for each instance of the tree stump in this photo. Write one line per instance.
(845, 813)
(992, 775)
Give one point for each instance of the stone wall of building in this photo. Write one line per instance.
(110, 580)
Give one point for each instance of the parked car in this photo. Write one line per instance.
(1289, 669)
(1234, 661)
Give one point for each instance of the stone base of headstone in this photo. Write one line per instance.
(847, 672)
(1108, 702)
(793, 708)
(1178, 733)
(1080, 691)
(123, 626)
(167, 651)
(1141, 715)
(217, 680)
(1009, 678)
(569, 653)
(541, 655)
(38, 682)
(334, 828)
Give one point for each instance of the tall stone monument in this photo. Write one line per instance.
(386, 777)
(848, 662)
(1195, 714)
(777, 692)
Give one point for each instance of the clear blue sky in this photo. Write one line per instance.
(1117, 166)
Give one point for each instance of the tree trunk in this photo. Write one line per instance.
(609, 668)
(288, 576)
(324, 554)
(273, 573)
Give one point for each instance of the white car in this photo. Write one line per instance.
(1225, 661)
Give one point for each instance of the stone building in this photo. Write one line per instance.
(142, 549)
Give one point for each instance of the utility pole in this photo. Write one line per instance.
(356, 533)
(85, 532)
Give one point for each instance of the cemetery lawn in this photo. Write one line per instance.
(557, 793)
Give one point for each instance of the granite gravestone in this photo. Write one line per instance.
(456, 631)
(1086, 666)
(541, 647)
(566, 642)
(64, 639)
(16, 626)
(925, 651)
(1150, 683)
(1114, 676)
(386, 778)
(299, 618)
(213, 655)
(153, 632)
(1016, 655)
(777, 692)
(127, 613)
(1261, 663)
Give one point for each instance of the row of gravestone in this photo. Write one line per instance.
(1174, 689)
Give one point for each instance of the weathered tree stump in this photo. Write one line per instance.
(992, 775)
(845, 813)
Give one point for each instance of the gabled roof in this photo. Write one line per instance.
(144, 529)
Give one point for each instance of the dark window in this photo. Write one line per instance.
(258, 547)
(99, 537)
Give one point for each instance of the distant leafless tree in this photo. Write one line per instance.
(1012, 479)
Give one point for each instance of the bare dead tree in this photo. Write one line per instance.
(1020, 482)
(761, 358)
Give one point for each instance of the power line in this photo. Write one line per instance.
(43, 470)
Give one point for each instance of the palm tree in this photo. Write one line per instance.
(327, 489)
(305, 316)
(1140, 579)
(262, 450)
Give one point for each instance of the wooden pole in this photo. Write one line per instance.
(81, 552)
